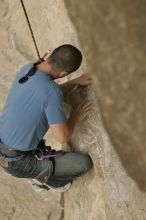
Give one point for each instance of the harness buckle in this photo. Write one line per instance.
(45, 152)
(38, 157)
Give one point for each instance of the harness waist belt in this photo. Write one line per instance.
(5, 150)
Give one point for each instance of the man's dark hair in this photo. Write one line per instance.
(66, 58)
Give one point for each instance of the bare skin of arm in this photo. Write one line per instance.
(63, 132)
(83, 80)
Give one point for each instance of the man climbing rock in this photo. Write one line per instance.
(35, 104)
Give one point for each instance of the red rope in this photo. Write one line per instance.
(30, 28)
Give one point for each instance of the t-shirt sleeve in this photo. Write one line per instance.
(55, 108)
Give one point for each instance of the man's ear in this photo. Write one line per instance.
(63, 74)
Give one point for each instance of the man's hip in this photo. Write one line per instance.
(55, 168)
(25, 164)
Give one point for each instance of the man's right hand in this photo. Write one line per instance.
(82, 109)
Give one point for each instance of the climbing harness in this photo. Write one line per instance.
(41, 153)
(46, 153)
(10, 155)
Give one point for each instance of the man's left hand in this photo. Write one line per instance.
(84, 80)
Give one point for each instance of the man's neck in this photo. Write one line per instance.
(47, 68)
(44, 68)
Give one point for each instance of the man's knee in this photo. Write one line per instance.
(73, 164)
(85, 163)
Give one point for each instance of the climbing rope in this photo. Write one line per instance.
(33, 70)
(31, 31)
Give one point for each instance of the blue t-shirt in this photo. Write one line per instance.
(30, 109)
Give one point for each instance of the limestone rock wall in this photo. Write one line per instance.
(19, 201)
(112, 34)
(107, 192)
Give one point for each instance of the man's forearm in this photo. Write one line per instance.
(83, 80)
(68, 86)
(71, 123)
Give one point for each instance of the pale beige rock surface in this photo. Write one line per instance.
(112, 34)
(19, 201)
(106, 193)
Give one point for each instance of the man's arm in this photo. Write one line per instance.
(64, 131)
(83, 80)
(68, 86)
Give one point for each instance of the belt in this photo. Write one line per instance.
(5, 150)
(10, 155)
(42, 152)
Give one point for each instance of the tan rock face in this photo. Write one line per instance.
(18, 201)
(106, 192)
(112, 34)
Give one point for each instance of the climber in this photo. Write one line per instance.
(35, 104)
